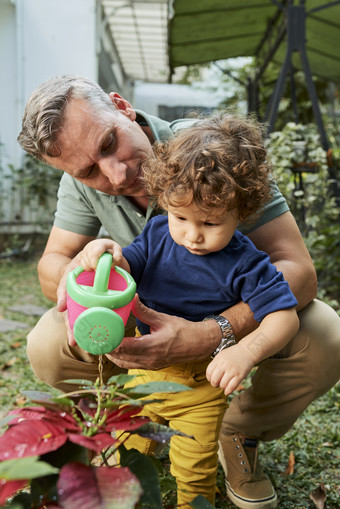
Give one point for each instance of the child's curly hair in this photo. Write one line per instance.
(219, 163)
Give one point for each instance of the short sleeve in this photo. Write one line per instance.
(75, 212)
(263, 287)
(272, 209)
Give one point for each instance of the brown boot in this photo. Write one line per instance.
(247, 486)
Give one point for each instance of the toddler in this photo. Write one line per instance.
(193, 263)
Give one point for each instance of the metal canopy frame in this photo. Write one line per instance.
(281, 20)
(296, 42)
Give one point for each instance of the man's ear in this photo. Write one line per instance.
(122, 105)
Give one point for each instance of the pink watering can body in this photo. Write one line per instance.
(99, 304)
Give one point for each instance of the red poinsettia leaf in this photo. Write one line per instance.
(83, 487)
(95, 443)
(125, 419)
(29, 412)
(87, 406)
(64, 420)
(127, 425)
(29, 438)
(58, 418)
(123, 413)
(8, 488)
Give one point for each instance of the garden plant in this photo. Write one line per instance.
(64, 449)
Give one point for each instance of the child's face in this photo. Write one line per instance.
(201, 232)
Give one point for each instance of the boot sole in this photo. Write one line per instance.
(244, 503)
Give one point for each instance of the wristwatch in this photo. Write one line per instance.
(228, 338)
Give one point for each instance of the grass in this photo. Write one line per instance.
(19, 286)
(313, 440)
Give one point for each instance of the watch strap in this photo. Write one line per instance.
(228, 338)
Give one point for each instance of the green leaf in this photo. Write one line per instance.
(134, 398)
(62, 400)
(201, 503)
(152, 387)
(48, 400)
(147, 474)
(158, 432)
(25, 468)
(121, 379)
(43, 488)
(80, 382)
(67, 453)
(20, 501)
(6, 420)
(37, 395)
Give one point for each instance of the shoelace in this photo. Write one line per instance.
(251, 450)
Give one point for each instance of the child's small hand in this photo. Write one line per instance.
(93, 250)
(229, 368)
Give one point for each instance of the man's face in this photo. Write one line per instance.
(103, 149)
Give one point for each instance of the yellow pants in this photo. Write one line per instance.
(197, 412)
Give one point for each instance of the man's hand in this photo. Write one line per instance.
(172, 340)
(61, 291)
(62, 297)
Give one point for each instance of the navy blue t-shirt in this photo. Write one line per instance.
(172, 280)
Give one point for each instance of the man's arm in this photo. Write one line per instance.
(58, 258)
(282, 241)
(173, 340)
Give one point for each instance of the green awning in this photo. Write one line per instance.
(202, 31)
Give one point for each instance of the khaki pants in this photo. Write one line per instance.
(198, 413)
(282, 387)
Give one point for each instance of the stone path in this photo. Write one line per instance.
(25, 309)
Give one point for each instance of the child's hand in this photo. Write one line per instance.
(229, 368)
(93, 250)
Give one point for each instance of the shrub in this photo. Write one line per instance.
(301, 171)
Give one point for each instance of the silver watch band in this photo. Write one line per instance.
(228, 338)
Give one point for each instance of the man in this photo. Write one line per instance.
(100, 142)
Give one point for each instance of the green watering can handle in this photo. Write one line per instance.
(99, 294)
(101, 278)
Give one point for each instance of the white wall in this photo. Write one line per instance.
(148, 96)
(39, 39)
(8, 82)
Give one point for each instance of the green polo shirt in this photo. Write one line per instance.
(83, 210)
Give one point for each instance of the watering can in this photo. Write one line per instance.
(99, 304)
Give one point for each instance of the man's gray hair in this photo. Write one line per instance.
(44, 112)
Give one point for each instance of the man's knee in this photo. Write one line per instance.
(322, 324)
(317, 345)
(44, 346)
(54, 361)
(321, 319)
(300, 373)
